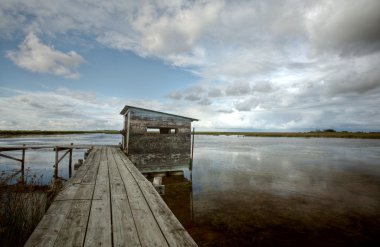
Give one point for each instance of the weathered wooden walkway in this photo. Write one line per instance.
(108, 202)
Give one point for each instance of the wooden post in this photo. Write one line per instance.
(70, 161)
(192, 145)
(23, 164)
(56, 163)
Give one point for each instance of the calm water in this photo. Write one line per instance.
(39, 163)
(261, 191)
(281, 192)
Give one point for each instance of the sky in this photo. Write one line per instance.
(259, 65)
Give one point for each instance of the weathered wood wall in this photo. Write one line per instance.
(155, 150)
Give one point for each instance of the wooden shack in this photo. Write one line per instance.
(156, 141)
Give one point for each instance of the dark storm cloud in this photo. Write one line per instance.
(347, 28)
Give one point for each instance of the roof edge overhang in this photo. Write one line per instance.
(127, 107)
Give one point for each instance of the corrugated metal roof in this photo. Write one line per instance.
(127, 107)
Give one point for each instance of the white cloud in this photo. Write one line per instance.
(238, 88)
(270, 64)
(38, 57)
(60, 109)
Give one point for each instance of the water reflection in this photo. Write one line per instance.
(39, 163)
(281, 192)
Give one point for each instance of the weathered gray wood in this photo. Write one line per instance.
(174, 232)
(112, 205)
(41, 238)
(99, 231)
(148, 230)
(74, 227)
(92, 172)
(70, 189)
(47, 230)
(157, 181)
(71, 162)
(10, 157)
(81, 172)
(61, 147)
(56, 163)
(123, 223)
(68, 193)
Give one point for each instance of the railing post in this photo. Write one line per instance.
(23, 164)
(70, 161)
(56, 163)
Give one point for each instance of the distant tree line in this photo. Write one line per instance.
(326, 130)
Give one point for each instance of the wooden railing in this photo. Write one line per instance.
(56, 148)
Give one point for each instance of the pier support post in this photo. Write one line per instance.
(71, 161)
(56, 163)
(23, 164)
(157, 184)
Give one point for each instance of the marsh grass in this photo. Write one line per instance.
(21, 208)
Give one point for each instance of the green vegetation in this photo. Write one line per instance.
(8, 133)
(329, 133)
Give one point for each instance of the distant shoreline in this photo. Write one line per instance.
(311, 134)
(12, 133)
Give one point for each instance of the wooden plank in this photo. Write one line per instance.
(174, 232)
(47, 230)
(50, 225)
(41, 238)
(123, 224)
(73, 230)
(77, 192)
(81, 172)
(112, 205)
(92, 172)
(67, 193)
(71, 187)
(148, 230)
(61, 147)
(99, 230)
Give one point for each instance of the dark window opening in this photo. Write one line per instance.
(162, 130)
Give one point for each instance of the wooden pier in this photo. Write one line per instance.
(108, 202)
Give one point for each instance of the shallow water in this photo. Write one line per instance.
(281, 192)
(39, 163)
(252, 191)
